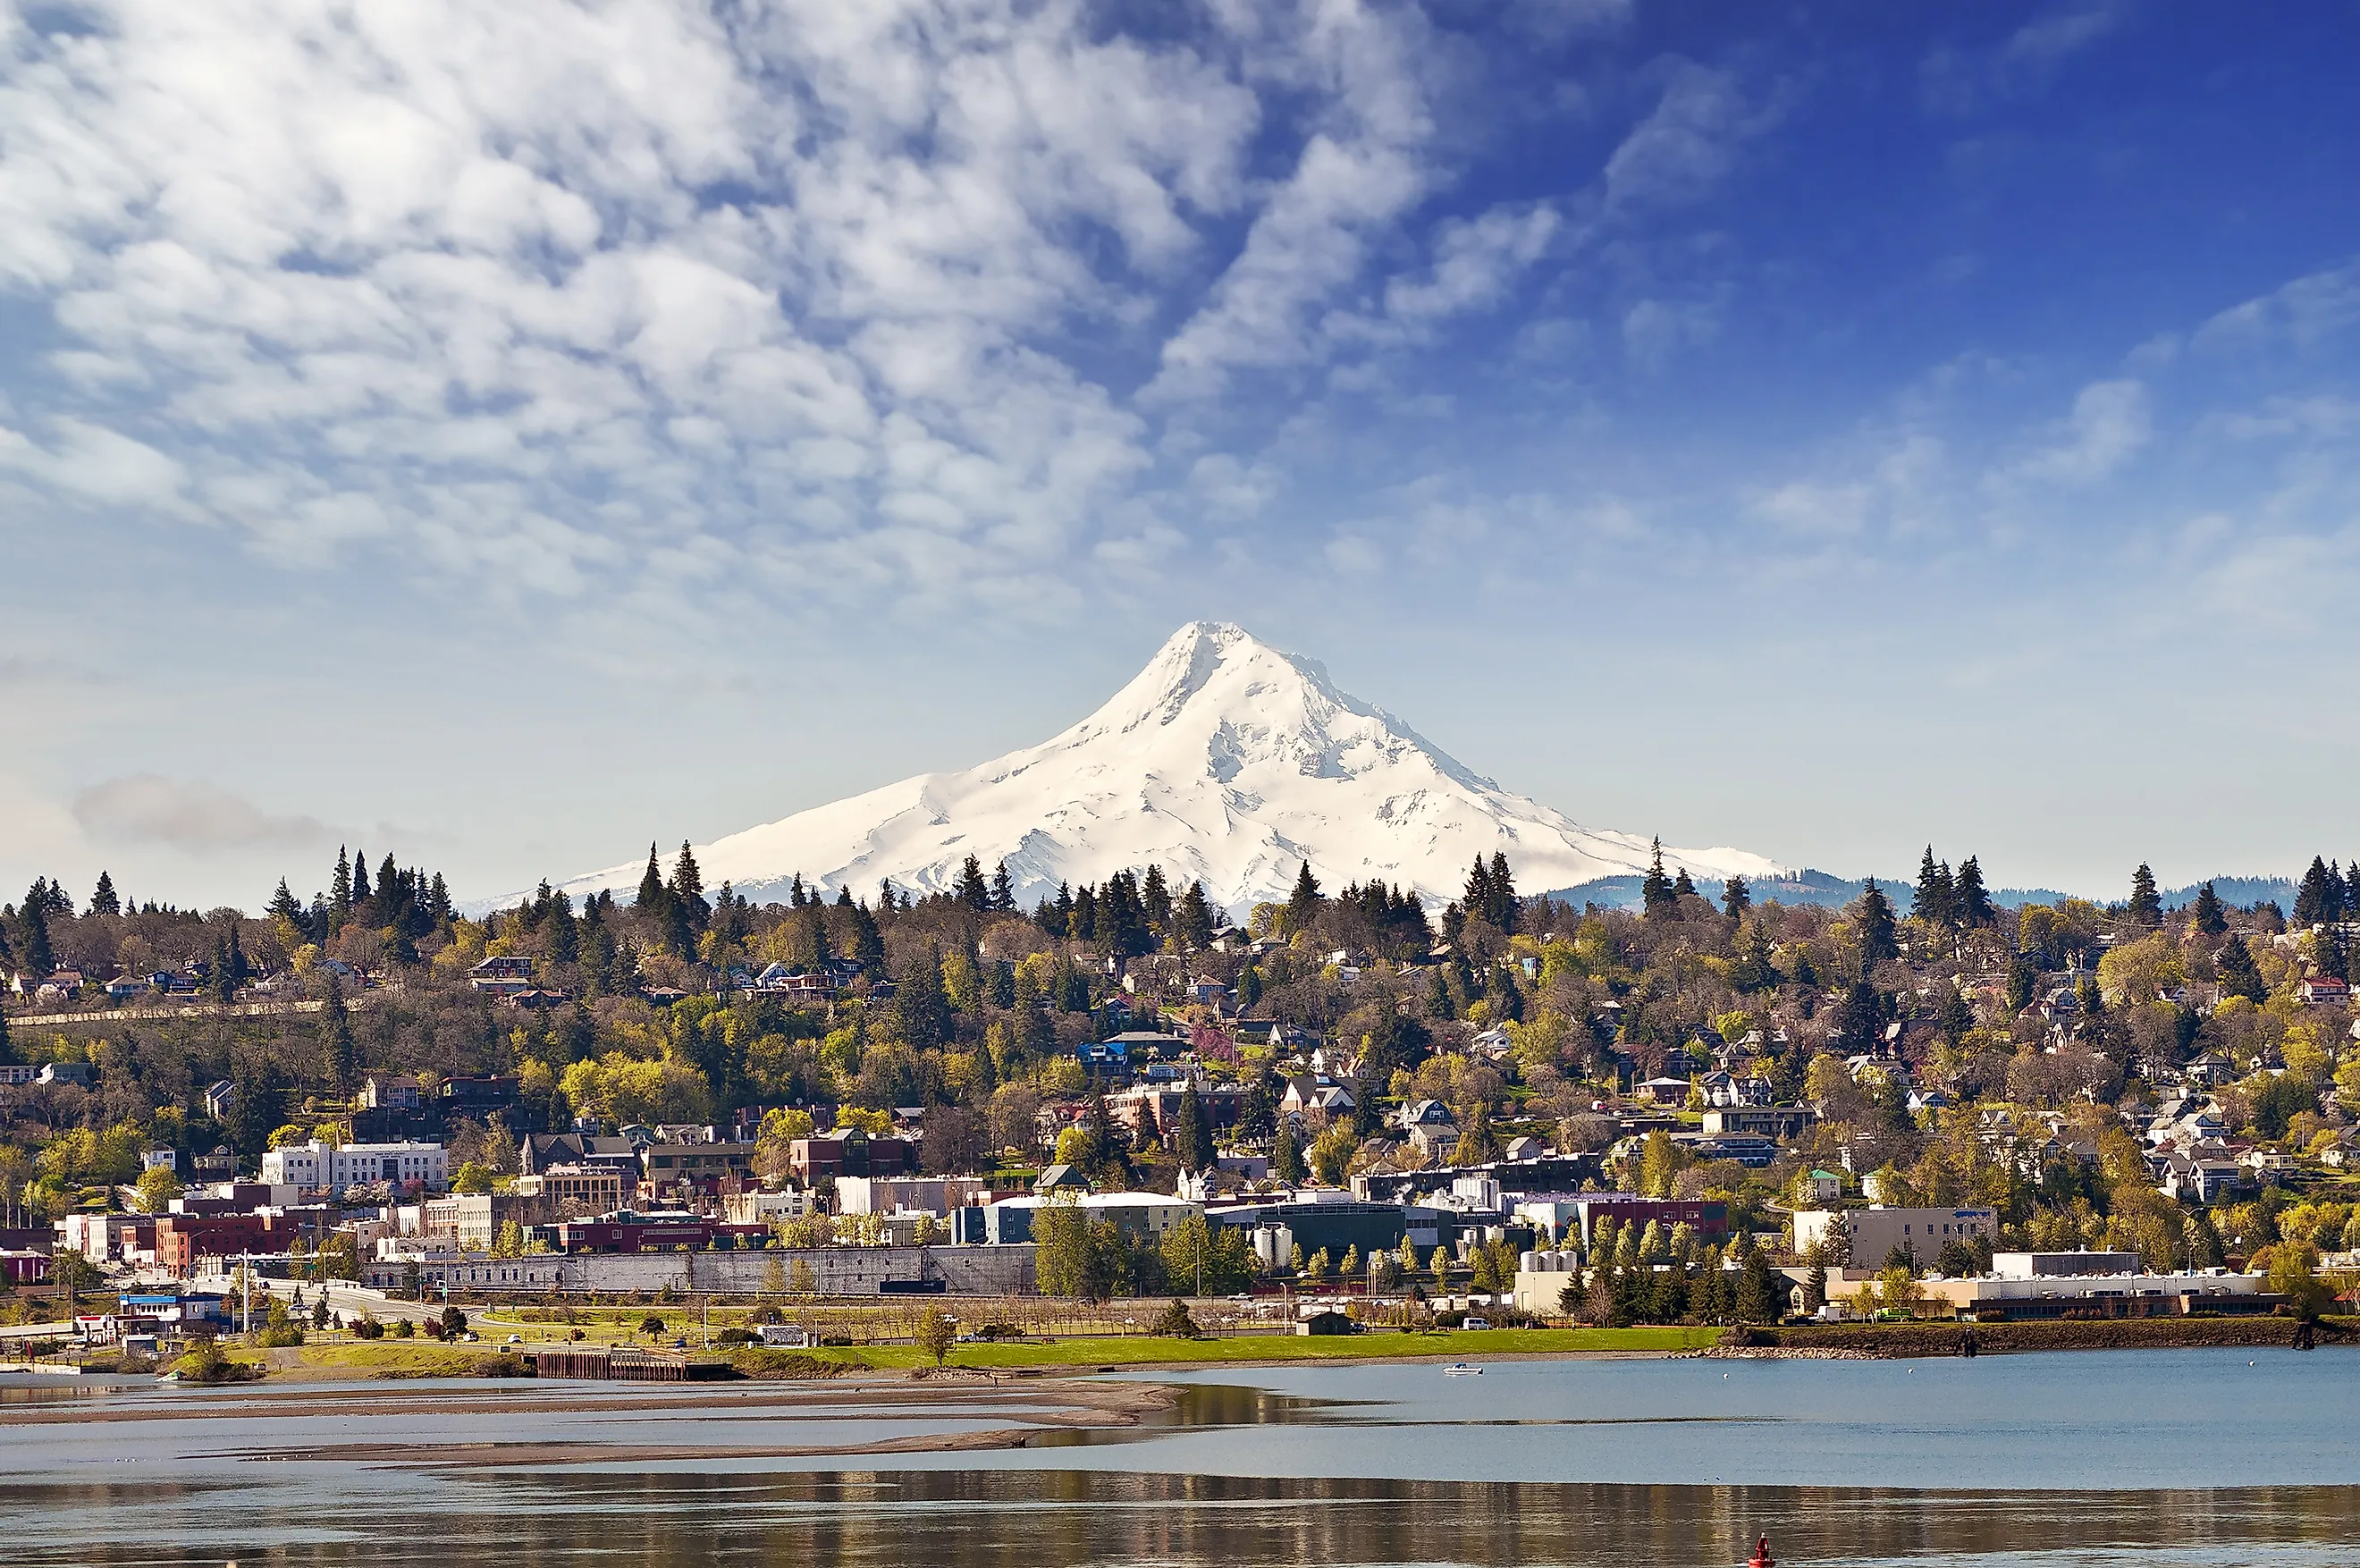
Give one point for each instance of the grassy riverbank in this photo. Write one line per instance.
(426, 1358)
(1143, 1351)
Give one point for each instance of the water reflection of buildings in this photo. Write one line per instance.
(1065, 1519)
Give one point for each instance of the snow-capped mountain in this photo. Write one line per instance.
(1224, 760)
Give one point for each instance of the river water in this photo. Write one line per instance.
(2095, 1459)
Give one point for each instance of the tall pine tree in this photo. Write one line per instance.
(1935, 900)
(1736, 898)
(1303, 903)
(2240, 976)
(972, 890)
(1873, 927)
(102, 900)
(335, 1040)
(1655, 896)
(1195, 918)
(2145, 907)
(1975, 910)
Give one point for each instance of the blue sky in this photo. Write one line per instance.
(504, 436)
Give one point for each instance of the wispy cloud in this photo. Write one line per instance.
(1955, 81)
(2109, 424)
(193, 816)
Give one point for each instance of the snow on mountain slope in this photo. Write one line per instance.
(1224, 760)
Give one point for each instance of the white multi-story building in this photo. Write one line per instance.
(318, 1164)
(1868, 1236)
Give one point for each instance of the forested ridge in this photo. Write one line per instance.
(1523, 1015)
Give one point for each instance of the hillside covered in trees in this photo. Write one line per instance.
(1913, 1022)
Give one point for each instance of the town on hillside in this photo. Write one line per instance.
(369, 1109)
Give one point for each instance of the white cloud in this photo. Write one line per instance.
(2301, 314)
(1687, 144)
(1655, 331)
(189, 815)
(1957, 82)
(98, 464)
(2109, 424)
(529, 293)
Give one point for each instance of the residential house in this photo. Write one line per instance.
(504, 976)
(385, 1092)
(2323, 990)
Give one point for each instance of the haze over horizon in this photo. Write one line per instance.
(503, 439)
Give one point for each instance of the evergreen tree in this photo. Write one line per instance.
(2311, 901)
(2145, 907)
(256, 1102)
(868, 937)
(1477, 899)
(33, 933)
(335, 1040)
(2330, 954)
(688, 890)
(651, 901)
(1736, 898)
(1287, 1155)
(1655, 896)
(1195, 918)
(1956, 1017)
(1682, 887)
(2211, 917)
(1975, 910)
(1872, 924)
(1303, 903)
(1003, 892)
(1935, 898)
(224, 973)
(1505, 908)
(283, 906)
(972, 890)
(561, 935)
(1761, 1291)
(102, 900)
(437, 903)
(1192, 1132)
(1860, 1029)
(339, 894)
(922, 1013)
(2240, 976)
(1003, 984)
(1155, 902)
(362, 895)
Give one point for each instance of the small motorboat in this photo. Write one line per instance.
(1462, 1369)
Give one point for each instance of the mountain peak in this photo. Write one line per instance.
(1201, 656)
(1224, 760)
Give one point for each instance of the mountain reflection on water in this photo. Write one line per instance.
(1053, 1519)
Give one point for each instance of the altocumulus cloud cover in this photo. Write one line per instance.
(522, 419)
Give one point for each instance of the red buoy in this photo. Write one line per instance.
(1762, 1558)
